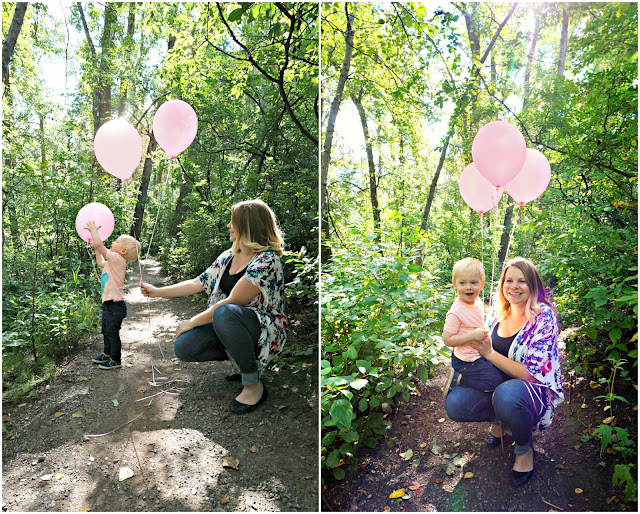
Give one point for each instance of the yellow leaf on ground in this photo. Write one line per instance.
(224, 499)
(22, 405)
(254, 449)
(398, 493)
(594, 385)
(438, 481)
(58, 476)
(77, 414)
(423, 445)
(30, 449)
(583, 406)
(81, 379)
(386, 509)
(141, 389)
(468, 474)
(578, 490)
(230, 462)
(58, 414)
(46, 478)
(608, 420)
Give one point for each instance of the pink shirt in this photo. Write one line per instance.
(461, 319)
(113, 277)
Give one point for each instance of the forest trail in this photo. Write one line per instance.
(176, 447)
(570, 475)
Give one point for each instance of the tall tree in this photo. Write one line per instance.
(9, 43)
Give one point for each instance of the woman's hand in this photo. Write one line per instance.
(484, 347)
(148, 290)
(184, 327)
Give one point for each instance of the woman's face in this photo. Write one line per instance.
(515, 288)
(232, 233)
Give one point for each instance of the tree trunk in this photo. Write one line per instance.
(333, 114)
(124, 84)
(104, 77)
(564, 41)
(10, 40)
(181, 208)
(434, 183)
(506, 233)
(138, 215)
(530, 56)
(373, 184)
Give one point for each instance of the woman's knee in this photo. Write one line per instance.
(508, 396)
(224, 314)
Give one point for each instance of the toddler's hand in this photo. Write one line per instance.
(480, 334)
(91, 226)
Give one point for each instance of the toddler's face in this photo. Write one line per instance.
(118, 246)
(468, 285)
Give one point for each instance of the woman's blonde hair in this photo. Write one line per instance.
(256, 227)
(537, 296)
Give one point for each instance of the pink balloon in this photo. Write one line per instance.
(174, 126)
(99, 213)
(499, 151)
(118, 148)
(476, 191)
(532, 180)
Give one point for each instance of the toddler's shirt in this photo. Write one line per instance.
(113, 277)
(461, 319)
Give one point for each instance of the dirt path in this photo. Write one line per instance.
(175, 448)
(564, 464)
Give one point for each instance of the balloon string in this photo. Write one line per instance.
(493, 255)
(482, 251)
(153, 231)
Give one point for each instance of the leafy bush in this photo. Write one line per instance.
(381, 320)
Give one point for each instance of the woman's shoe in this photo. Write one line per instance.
(520, 478)
(493, 441)
(233, 377)
(242, 408)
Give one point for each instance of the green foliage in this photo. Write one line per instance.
(622, 476)
(381, 325)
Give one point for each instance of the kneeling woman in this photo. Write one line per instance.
(524, 347)
(245, 320)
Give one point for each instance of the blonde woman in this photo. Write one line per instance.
(523, 345)
(244, 320)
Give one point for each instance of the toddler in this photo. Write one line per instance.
(113, 262)
(464, 324)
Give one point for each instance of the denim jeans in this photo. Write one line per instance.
(513, 405)
(112, 315)
(232, 334)
(479, 374)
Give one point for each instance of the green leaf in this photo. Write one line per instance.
(341, 411)
(338, 473)
(115, 403)
(350, 437)
(359, 384)
(615, 335)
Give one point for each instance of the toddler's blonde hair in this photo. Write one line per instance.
(468, 264)
(132, 246)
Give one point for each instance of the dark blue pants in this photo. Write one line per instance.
(514, 405)
(479, 374)
(112, 315)
(233, 333)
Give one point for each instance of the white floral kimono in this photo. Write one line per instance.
(536, 346)
(265, 272)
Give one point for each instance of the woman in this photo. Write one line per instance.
(524, 347)
(245, 320)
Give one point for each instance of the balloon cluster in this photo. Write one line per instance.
(501, 160)
(118, 149)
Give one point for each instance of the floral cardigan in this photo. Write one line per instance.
(265, 272)
(536, 347)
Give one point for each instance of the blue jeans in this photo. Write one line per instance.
(479, 374)
(513, 404)
(232, 334)
(112, 315)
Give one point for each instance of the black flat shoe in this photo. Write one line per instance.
(242, 408)
(520, 478)
(493, 441)
(233, 377)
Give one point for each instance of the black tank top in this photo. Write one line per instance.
(228, 281)
(501, 344)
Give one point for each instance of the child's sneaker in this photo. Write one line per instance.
(101, 358)
(111, 364)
